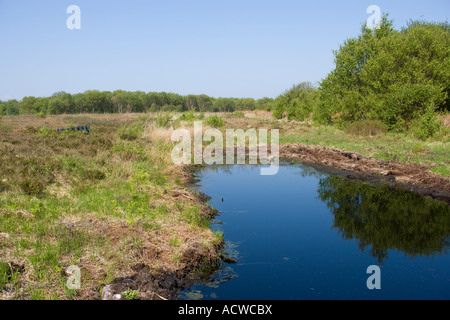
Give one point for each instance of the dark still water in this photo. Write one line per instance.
(302, 234)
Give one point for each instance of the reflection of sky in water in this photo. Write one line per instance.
(290, 245)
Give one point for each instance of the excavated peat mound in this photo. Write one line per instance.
(414, 177)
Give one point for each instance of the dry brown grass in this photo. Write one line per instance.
(447, 121)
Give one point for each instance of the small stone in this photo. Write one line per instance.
(107, 293)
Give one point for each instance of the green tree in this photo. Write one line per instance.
(205, 103)
(118, 101)
(27, 105)
(163, 98)
(134, 101)
(388, 75)
(10, 107)
(59, 103)
(41, 105)
(264, 104)
(278, 107)
(247, 104)
(79, 105)
(224, 105)
(298, 102)
(154, 101)
(381, 219)
(97, 102)
(175, 99)
(191, 103)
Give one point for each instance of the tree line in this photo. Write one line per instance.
(398, 78)
(119, 101)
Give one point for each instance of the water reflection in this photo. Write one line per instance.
(213, 280)
(383, 219)
(306, 234)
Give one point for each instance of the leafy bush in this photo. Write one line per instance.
(187, 116)
(298, 102)
(426, 125)
(191, 116)
(215, 121)
(418, 148)
(278, 108)
(46, 132)
(389, 75)
(163, 120)
(131, 133)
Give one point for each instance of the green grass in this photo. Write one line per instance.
(175, 242)
(112, 177)
(219, 236)
(401, 147)
(130, 294)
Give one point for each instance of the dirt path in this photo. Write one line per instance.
(414, 177)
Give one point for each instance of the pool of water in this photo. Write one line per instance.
(303, 234)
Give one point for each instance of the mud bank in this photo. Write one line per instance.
(164, 283)
(161, 285)
(414, 177)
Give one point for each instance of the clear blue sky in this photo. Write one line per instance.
(227, 48)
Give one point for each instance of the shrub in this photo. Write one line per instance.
(163, 120)
(32, 186)
(188, 116)
(426, 125)
(215, 121)
(191, 116)
(298, 102)
(46, 132)
(278, 108)
(418, 148)
(129, 133)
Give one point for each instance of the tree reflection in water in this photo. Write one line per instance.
(385, 219)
